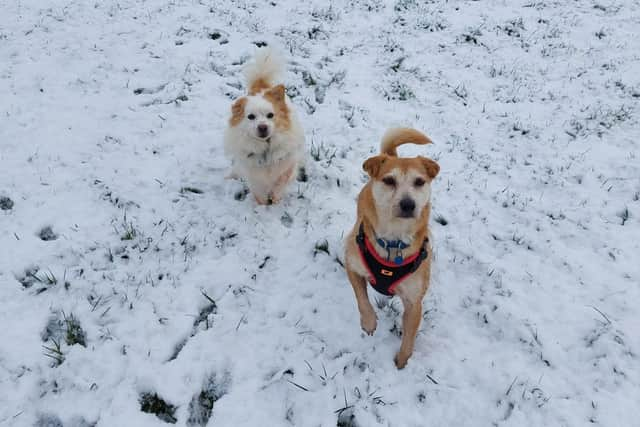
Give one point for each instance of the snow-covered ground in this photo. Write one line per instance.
(134, 276)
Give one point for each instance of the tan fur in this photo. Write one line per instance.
(237, 111)
(430, 166)
(258, 86)
(412, 290)
(398, 136)
(381, 164)
(276, 96)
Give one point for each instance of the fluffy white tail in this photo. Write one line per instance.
(265, 70)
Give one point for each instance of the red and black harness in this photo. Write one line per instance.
(385, 275)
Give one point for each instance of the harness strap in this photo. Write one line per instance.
(385, 275)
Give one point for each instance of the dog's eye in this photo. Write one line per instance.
(389, 180)
(251, 117)
(419, 182)
(270, 116)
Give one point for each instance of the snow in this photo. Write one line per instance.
(112, 111)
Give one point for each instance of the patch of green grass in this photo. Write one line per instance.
(6, 203)
(321, 246)
(194, 190)
(129, 233)
(151, 403)
(398, 91)
(33, 275)
(74, 332)
(47, 420)
(441, 220)
(49, 278)
(27, 279)
(203, 316)
(54, 352)
(624, 215)
(201, 405)
(321, 152)
(47, 234)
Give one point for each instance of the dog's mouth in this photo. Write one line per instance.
(266, 138)
(405, 215)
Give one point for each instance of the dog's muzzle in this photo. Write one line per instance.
(407, 208)
(263, 131)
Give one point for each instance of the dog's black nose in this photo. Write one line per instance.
(407, 205)
(263, 130)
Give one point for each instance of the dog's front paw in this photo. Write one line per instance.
(401, 359)
(262, 201)
(274, 199)
(369, 322)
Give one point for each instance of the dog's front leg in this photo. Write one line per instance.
(280, 185)
(410, 324)
(368, 320)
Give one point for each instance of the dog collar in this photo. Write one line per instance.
(384, 275)
(391, 244)
(398, 245)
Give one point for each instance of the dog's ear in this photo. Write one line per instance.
(276, 94)
(237, 111)
(373, 165)
(430, 166)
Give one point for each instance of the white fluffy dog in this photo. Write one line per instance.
(264, 139)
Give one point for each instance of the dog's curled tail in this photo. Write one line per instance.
(264, 71)
(395, 137)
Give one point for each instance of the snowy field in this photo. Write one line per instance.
(138, 287)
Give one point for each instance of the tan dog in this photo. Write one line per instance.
(264, 139)
(389, 244)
